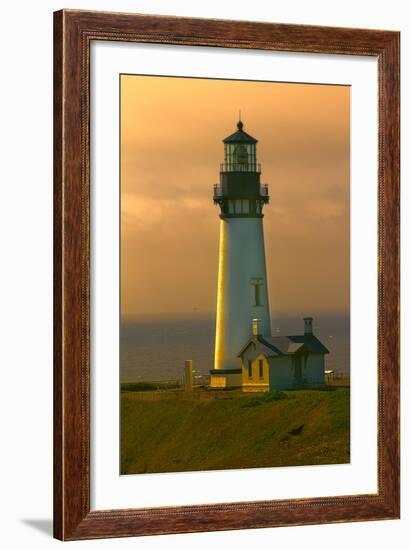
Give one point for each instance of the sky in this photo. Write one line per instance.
(171, 147)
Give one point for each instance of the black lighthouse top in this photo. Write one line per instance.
(240, 136)
(240, 152)
(240, 193)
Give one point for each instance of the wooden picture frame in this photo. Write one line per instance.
(74, 32)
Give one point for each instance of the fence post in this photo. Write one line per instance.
(188, 375)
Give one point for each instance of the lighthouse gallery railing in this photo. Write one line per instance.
(240, 167)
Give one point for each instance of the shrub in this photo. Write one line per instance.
(274, 395)
(148, 386)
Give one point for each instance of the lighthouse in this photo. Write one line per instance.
(242, 283)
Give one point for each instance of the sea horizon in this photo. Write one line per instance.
(154, 347)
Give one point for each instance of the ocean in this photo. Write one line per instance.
(155, 348)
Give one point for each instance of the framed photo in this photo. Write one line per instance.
(226, 275)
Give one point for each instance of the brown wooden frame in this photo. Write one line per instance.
(73, 33)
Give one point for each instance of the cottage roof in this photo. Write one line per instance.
(286, 345)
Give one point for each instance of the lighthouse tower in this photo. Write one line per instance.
(242, 283)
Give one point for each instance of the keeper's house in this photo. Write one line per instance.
(282, 362)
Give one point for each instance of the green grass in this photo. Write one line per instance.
(148, 386)
(244, 431)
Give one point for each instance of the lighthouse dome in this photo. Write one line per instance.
(240, 136)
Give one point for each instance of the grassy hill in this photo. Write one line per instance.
(237, 431)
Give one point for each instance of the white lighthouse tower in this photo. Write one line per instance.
(242, 283)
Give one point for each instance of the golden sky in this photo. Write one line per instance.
(171, 148)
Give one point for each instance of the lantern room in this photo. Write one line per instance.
(240, 152)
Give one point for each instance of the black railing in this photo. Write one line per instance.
(264, 190)
(240, 167)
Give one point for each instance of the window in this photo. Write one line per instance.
(249, 368)
(257, 298)
(240, 155)
(260, 368)
(257, 295)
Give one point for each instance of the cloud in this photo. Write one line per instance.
(172, 131)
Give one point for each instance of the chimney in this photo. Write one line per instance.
(308, 325)
(256, 327)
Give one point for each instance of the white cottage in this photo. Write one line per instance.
(282, 362)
